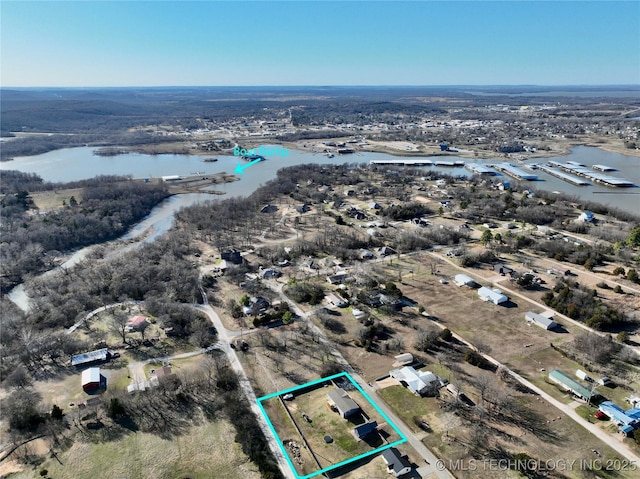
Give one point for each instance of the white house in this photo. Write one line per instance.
(493, 295)
(463, 280)
(418, 382)
(540, 320)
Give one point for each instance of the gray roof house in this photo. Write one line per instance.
(397, 463)
(340, 400)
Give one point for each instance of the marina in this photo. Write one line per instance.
(581, 170)
(514, 172)
(398, 162)
(604, 168)
(451, 164)
(574, 180)
(481, 170)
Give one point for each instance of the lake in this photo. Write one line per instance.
(80, 163)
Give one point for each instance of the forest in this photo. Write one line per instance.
(31, 241)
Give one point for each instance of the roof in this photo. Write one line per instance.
(364, 429)
(417, 381)
(462, 279)
(492, 295)
(575, 387)
(396, 461)
(342, 401)
(540, 320)
(404, 358)
(89, 357)
(627, 421)
(90, 376)
(136, 321)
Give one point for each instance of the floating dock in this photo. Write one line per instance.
(449, 163)
(574, 168)
(514, 172)
(574, 180)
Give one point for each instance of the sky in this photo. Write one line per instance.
(237, 43)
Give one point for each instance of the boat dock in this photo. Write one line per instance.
(603, 168)
(514, 172)
(574, 168)
(399, 162)
(481, 170)
(574, 180)
(449, 163)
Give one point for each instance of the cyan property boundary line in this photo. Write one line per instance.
(343, 463)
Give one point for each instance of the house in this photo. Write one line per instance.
(337, 278)
(336, 300)
(418, 382)
(587, 217)
(99, 355)
(386, 251)
(137, 323)
(493, 295)
(340, 401)
(363, 430)
(375, 206)
(540, 320)
(626, 421)
(303, 208)
(258, 304)
(232, 255)
(270, 273)
(397, 463)
(364, 254)
(373, 232)
(358, 313)
(419, 222)
(568, 384)
(91, 379)
(463, 280)
(269, 209)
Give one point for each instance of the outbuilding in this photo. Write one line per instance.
(540, 320)
(495, 296)
(91, 379)
(463, 280)
(568, 384)
(364, 430)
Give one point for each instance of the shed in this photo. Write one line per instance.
(539, 320)
(463, 280)
(91, 379)
(364, 429)
(404, 358)
(340, 400)
(493, 295)
(568, 384)
(397, 463)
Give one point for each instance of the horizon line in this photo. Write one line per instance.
(454, 85)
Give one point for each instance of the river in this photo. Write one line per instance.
(80, 163)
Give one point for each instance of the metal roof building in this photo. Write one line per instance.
(397, 464)
(91, 379)
(493, 295)
(90, 357)
(343, 402)
(567, 383)
(418, 382)
(627, 421)
(539, 320)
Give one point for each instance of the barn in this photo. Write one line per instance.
(91, 379)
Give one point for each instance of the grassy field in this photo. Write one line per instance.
(51, 200)
(200, 453)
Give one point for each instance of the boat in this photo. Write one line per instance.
(209, 160)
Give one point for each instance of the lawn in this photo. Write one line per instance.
(406, 404)
(203, 452)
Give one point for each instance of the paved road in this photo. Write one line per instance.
(224, 345)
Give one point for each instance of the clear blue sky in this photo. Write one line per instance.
(116, 43)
